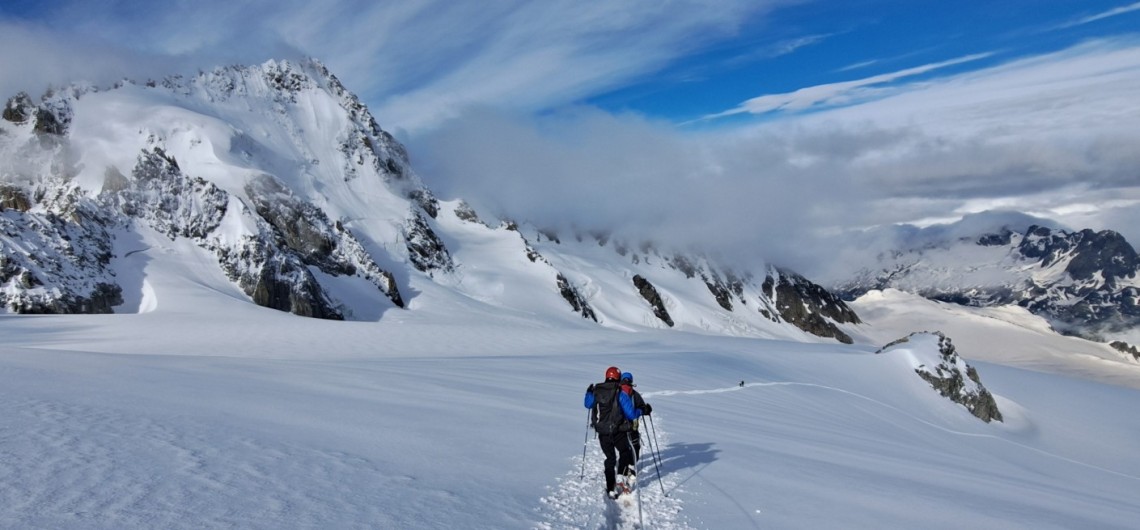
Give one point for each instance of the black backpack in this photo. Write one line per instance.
(606, 416)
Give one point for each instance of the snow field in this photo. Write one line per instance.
(276, 436)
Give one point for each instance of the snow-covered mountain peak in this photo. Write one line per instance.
(282, 179)
(1084, 282)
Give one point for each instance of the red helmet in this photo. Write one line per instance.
(613, 373)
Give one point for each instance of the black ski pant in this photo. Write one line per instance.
(618, 448)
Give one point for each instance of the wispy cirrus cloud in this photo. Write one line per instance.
(832, 94)
(1103, 15)
(416, 62)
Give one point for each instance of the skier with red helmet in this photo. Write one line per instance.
(612, 414)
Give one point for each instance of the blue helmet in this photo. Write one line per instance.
(627, 377)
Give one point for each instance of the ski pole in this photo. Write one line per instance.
(653, 430)
(585, 441)
(656, 455)
(636, 471)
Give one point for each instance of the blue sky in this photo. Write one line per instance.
(770, 127)
(827, 42)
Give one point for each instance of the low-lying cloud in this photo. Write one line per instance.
(1049, 136)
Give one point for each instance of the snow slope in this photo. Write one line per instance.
(1008, 335)
(212, 413)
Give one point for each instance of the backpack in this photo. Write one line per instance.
(606, 416)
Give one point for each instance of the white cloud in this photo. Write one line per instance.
(1042, 135)
(419, 61)
(1103, 15)
(833, 93)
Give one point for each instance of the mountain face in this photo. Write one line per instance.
(1085, 283)
(279, 179)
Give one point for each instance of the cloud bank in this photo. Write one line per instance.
(1051, 136)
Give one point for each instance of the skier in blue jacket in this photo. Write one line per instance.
(612, 415)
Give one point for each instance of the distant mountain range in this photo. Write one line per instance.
(281, 179)
(1085, 283)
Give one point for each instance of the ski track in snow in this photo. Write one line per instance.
(665, 393)
(578, 502)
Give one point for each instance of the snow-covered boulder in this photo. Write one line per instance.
(934, 359)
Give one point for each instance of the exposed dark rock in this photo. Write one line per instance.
(306, 230)
(68, 254)
(1105, 253)
(13, 198)
(303, 226)
(465, 212)
(550, 234)
(719, 291)
(103, 298)
(19, 108)
(425, 249)
(805, 305)
(1124, 347)
(681, 263)
(175, 204)
(48, 123)
(621, 248)
(575, 299)
(949, 377)
(650, 294)
(273, 286)
(426, 200)
(996, 240)
(601, 236)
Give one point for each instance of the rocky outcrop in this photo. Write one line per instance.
(951, 376)
(809, 306)
(13, 198)
(465, 212)
(271, 273)
(425, 249)
(1124, 347)
(53, 264)
(575, 298)
(306, 230)
(19, 108)
(650, 294)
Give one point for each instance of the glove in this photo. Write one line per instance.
(647, 409)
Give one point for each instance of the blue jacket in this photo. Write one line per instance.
(624, 400)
